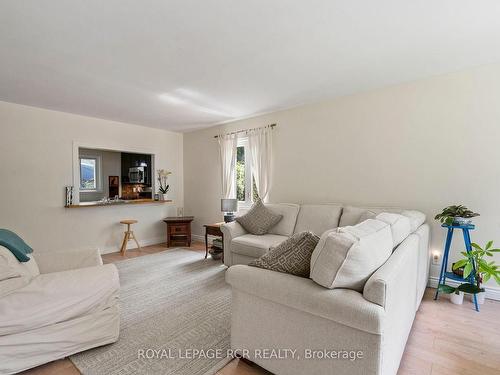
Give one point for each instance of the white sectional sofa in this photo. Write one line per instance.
(62, 303)
(272, 310)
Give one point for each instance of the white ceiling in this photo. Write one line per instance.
(188, 64)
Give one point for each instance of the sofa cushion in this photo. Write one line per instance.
(354, 215)
(28, 269)
(400, 226)
(344, 306)
(59, 296)
(416, 218)
(286, 225)
(255, 246)
(318, 218)
(10, 280)
(259, 219)
(346, 258)
(291, 256)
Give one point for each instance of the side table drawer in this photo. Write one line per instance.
(178, 228)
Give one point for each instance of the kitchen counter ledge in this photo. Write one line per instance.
(119, 203)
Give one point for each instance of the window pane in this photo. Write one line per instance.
(87, 174)
(255, 195)
(240, 173)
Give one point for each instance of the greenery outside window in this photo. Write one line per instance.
(90, 167)
(246, 191)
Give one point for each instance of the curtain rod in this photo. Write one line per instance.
(247, 130)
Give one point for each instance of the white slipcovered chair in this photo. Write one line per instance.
(55, 305)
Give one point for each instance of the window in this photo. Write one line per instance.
(246, 191)
(89, 173)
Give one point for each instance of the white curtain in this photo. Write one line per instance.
(227, 153)
(261, 148)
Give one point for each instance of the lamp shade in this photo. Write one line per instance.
(229, 205)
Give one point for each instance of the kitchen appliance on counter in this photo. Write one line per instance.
(137, 175)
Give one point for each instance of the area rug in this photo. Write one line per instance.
(175, 318)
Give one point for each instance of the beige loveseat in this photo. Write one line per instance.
(272, 310)
(55, 305)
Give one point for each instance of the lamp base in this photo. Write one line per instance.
(228, 217)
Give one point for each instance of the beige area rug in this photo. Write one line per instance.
(172, 304)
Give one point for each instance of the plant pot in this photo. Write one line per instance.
(162, 197)
(480, 297)
(462, 221)
(457, 299)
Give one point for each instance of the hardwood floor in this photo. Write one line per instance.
(445, 339)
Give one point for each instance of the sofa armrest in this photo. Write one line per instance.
(395, 283)
(67, 260)
(230, 231)
(344, 306)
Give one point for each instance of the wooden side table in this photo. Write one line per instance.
(213, 230)
(179, 230)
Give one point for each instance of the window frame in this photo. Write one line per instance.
(247, 203)
(98, 174)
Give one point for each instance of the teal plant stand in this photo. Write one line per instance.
(444, 265)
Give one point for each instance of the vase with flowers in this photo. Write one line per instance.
(163, 186)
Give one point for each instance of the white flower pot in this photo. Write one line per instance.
(462, 221)
(162, 197)
(480, 297)
(457, 299)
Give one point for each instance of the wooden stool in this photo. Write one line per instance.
(129, 235)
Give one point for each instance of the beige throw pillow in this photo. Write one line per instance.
(347, 257)
(259, 219)
(292, 256)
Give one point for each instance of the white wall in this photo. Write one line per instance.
(422, 145)
(36, 154)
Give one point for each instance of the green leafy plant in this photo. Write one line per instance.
(475, 261)
(448, 215)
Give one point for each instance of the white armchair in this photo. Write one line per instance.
(69, 305)
(67, 260)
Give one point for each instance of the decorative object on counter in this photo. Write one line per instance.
(129, 235)
(229, 207)
(162, 181)
(157, 197)
(179, 230)
(69, 195)
(458, 214)
(133, 191)
(217, 250)
(113, 202)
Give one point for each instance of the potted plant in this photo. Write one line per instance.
(458, 214)
(457, 298)
(162, 182)
(475, 261)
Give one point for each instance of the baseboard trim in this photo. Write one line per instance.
(491, 292)
(131, 245)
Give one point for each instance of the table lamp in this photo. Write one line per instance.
(229, 207)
